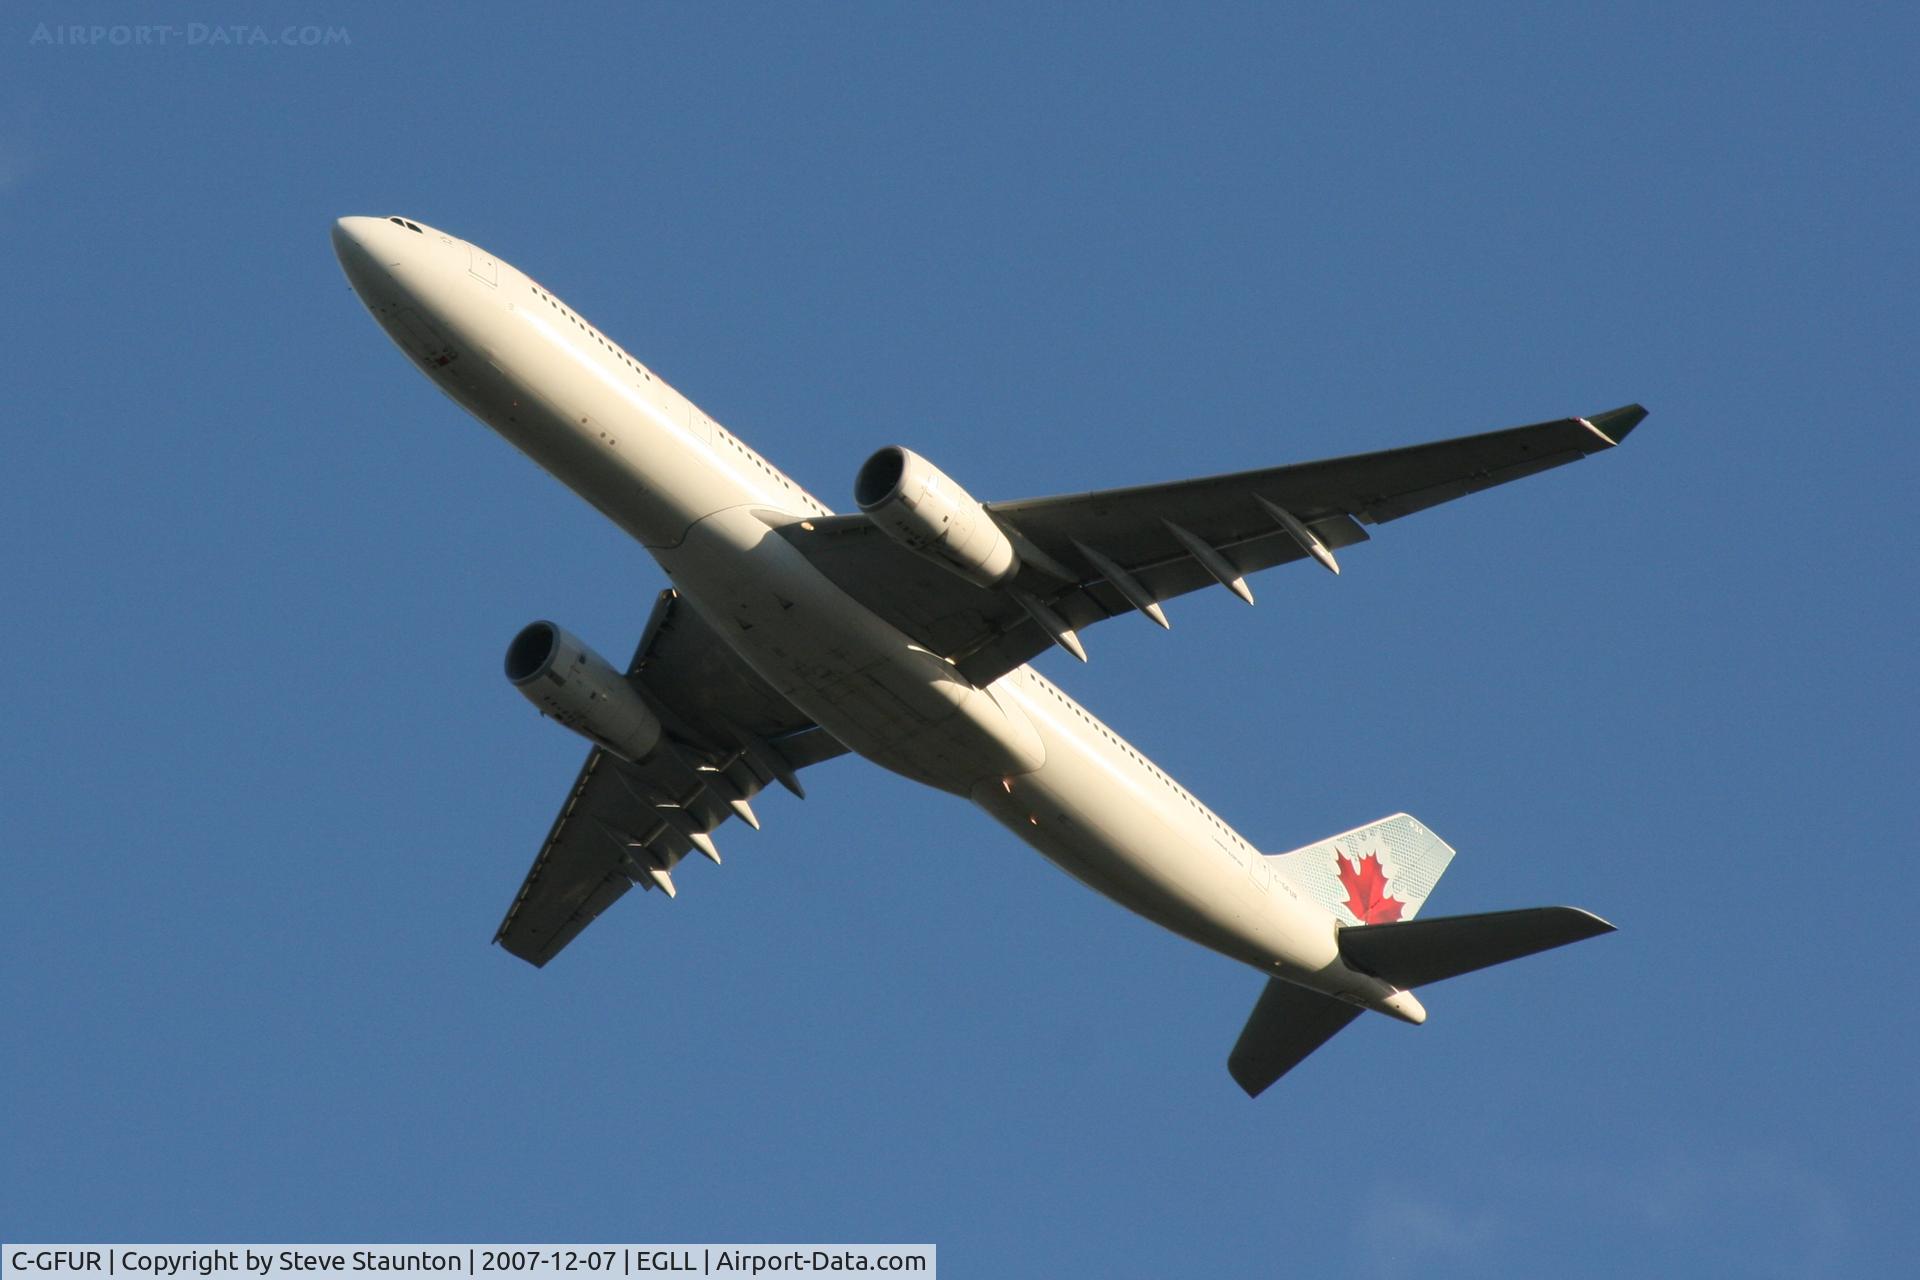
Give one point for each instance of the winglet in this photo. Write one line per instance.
(1614, 425)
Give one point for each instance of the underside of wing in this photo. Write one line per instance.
(1089, 556)
(728, 735)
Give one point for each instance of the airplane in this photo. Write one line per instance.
(903, 633)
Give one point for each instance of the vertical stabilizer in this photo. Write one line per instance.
(1376, 874)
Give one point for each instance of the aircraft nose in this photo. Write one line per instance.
(353, 241)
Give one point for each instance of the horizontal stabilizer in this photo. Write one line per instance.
(1288, 1023)
(1414, 953)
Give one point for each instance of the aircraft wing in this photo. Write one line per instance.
(1088, 556)
(728, 734)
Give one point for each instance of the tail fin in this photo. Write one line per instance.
(1422, 951)
(1374, 879)
(1376, 874)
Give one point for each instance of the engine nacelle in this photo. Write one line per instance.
(571, 683)
(919, 506)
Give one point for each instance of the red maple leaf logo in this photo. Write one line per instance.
(1367, 890)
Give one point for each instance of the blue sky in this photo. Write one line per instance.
(265, 794)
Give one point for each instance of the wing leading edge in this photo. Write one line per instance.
(1089, 556)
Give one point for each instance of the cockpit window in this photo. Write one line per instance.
(416, 230)
(402, 222)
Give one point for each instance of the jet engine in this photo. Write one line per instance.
(920, 507)
(569, 682)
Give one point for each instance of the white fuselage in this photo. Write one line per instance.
(705, 505)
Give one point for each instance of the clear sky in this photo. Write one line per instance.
(265, 794)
